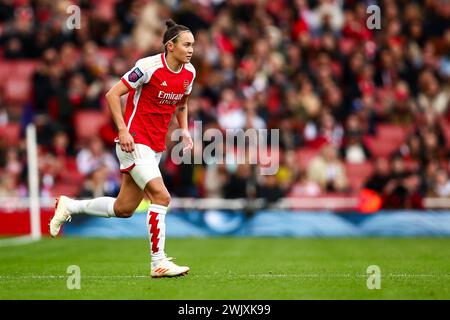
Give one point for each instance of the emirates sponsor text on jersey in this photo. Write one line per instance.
(169, 97)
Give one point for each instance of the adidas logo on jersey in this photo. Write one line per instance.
(164, 84)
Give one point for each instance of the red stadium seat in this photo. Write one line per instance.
(108, 53)
(71, 176)
(381, 148)
(23, 69)
(305, 155)
(17, 90)
(88, 124)
(392, 132)
(16, 76)
(5, 67)
(67, 189)
(388, 139)
(358, 173)
(11, 133)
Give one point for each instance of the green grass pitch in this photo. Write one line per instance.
(230, 268)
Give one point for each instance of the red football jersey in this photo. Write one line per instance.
(155, 91)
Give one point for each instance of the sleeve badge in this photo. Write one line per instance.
(135, 75)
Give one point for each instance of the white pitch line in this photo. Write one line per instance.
(17, 241)
(12, 277)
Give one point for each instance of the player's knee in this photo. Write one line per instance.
(123, 212)
(161, 198)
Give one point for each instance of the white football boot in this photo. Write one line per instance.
(166, 268)
(61, 215)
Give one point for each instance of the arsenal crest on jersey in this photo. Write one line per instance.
(185, 83)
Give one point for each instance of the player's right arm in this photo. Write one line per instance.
(113, 97)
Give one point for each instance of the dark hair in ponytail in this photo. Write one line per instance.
(173, 30)
(170, 23)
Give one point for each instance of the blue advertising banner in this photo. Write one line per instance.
(270, 223)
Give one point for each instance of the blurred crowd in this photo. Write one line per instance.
(312, 69)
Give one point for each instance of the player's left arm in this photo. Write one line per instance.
(182, 117)
(182, 112)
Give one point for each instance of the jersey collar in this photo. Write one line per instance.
(163, 58)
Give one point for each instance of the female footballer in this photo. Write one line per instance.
(158, 87)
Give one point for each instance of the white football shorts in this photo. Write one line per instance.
(142, 164)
